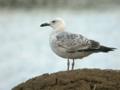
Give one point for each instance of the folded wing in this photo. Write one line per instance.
(75, 42)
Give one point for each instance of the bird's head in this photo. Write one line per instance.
(56, 24)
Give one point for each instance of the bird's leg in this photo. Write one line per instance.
(73, 63)
(68, 64)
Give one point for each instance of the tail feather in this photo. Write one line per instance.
(101, 49)
(106, 49)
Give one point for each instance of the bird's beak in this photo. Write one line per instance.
(44, 24)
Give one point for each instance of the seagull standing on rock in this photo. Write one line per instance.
(72, 46)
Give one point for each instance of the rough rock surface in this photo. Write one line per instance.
(85, 79)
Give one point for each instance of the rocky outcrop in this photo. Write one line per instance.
(85, 79)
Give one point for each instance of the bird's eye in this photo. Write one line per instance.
(53, 21)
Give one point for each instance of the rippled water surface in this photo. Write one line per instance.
(24, 46)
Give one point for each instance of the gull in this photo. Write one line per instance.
(71, 46)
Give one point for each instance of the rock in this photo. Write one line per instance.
(85, 79)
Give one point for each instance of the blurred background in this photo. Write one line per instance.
(24, 46)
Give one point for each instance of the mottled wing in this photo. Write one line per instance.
(75, 42)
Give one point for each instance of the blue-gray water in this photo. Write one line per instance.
(24, 46)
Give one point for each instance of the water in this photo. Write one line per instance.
(24, 46)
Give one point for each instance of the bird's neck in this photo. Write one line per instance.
(55, 32)
(61, 29)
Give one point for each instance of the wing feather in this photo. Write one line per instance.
(74, 42)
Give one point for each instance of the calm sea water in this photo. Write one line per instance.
(24, 46)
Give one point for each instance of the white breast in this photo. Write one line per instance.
(59, 51)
